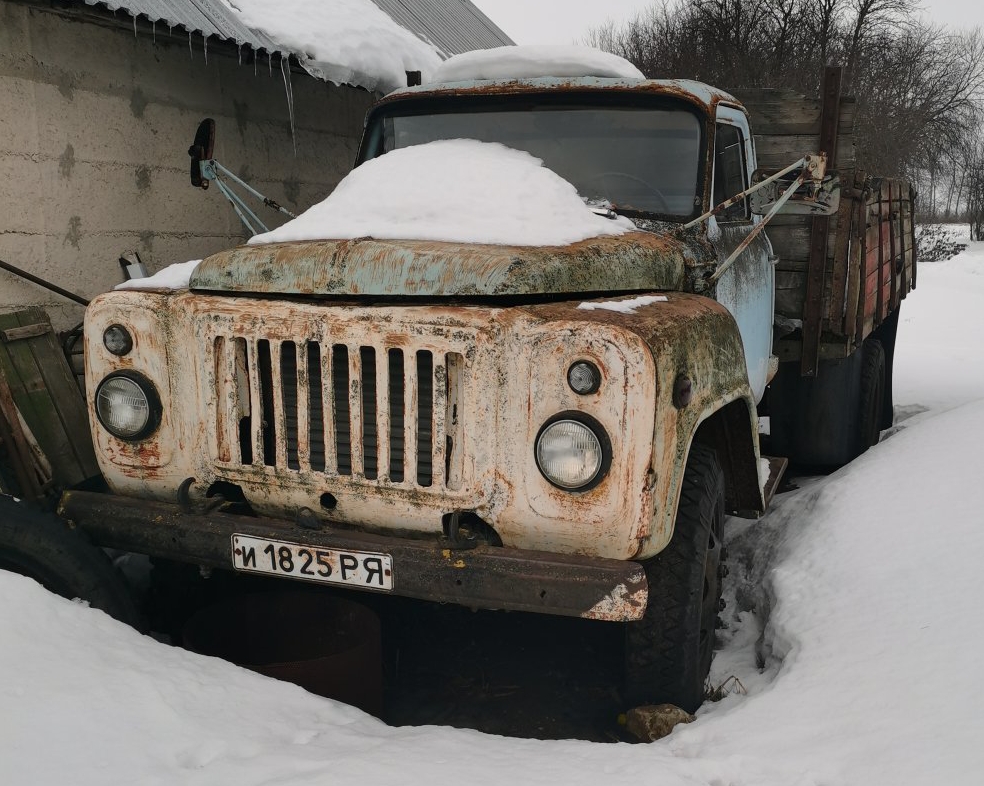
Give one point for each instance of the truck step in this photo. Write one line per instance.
(777, 468)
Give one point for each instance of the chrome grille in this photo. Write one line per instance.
(381, 414)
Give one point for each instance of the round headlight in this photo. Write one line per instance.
(584, 378)
(127, 406)
(571, 454)
(117, 339)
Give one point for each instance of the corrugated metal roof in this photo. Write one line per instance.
(454, 26)
(208, 17)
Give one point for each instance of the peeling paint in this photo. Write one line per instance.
(635, 261)
(143, 178)
(74, 234)
(138, 102)
(67, 161)
(623, 603)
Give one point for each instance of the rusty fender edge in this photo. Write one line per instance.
(485, 577)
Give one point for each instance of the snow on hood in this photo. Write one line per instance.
(174, 276)
(533, 62)
(343, 41)
(458, 190)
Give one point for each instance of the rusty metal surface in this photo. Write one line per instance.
(486, 577)
(699, 94)
(511, 379)
(638, 261)
(691, 335)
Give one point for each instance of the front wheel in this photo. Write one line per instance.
(41, 546)
(668, 652)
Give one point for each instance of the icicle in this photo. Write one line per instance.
(288, 87)
(270, 62)
(191, 50)
(134, 26)
(240, 48)
(153, 30)
(205, 42)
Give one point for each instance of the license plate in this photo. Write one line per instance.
(364, 569)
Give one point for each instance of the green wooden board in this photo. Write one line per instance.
(46, 394)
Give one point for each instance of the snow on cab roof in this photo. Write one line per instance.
(530, 62)
(546, 67)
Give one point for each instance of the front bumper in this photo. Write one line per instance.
(485, 577)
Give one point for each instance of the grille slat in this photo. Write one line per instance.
(254, 427)
(371, 413)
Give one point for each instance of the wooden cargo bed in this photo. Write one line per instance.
(839, 277)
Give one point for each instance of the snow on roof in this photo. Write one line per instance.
(458, 190)
(341, 41)
(532, 62)
(368, 43)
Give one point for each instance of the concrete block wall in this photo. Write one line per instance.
(95, 124)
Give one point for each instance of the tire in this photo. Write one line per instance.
(872, 395)
(668, 652)
(827, 421)
(41, 546)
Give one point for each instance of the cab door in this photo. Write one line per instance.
(748, 288)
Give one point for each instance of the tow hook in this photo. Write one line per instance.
(453, 536)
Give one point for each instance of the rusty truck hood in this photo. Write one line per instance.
(636, 261)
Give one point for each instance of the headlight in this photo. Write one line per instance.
(128, 406)
(573, 452)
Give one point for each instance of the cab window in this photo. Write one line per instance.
(730, 171)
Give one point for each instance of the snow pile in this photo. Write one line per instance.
(343, 41)
(871, 649)
(531, 62)
(176, 276)
(454, 190)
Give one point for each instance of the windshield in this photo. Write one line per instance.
(641, 160)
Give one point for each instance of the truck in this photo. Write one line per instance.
(559, 430)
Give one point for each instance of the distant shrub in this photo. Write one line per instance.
(936, 243)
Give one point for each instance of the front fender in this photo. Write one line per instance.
(691, 338)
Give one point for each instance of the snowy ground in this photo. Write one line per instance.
(864, 674)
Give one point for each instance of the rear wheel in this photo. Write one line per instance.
(41, 546)
(829, 420)
(668, 652)
(872, 394)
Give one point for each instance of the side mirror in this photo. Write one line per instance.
(809, 199)
(201, 150)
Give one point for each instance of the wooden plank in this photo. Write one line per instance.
(894, 250)
(813, 308)
(18, 451)
(797, 115)
(780, 109)
(48, 398)
(840, 264)
(776, 152)
(862, 217)
(28, 331)
(790, 292)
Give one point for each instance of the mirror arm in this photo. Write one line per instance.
(722, 269)
(803, 162)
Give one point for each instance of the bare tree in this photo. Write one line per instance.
(915, 83)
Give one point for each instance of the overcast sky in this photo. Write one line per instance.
(567, 21)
